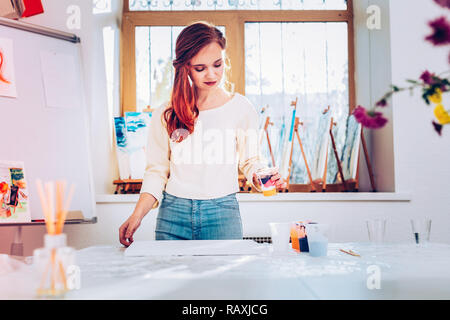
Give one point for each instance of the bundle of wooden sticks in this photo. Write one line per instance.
(55, 212)
(53, 283)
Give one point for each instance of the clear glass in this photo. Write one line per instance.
(155, 51)
(376, 229)
(421, 229)
(51, 265)
(189, 5)
(280, 233)
(317, 235)
(309, 61)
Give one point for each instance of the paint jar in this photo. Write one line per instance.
(299, 238)
(52, 264)
(317, 239)
(264, 176)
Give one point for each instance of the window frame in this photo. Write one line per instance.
(234, 22)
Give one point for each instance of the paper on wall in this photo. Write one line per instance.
(60, 79)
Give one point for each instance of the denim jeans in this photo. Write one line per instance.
(189, 219)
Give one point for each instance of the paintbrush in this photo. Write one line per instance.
(350, 252)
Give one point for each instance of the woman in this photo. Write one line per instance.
(196, 144)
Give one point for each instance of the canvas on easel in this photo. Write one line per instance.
(14, 198)
(137, 124)
(350, 153)
(297, 123)
(322, 142)
(123, 158)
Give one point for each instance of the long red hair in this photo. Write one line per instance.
(182, 112)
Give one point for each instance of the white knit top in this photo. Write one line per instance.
(205, 164)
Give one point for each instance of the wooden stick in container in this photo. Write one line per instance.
(44, 205)
(65, 207)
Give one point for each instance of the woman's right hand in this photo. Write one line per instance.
(128, 228)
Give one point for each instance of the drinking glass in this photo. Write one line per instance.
(376, 229)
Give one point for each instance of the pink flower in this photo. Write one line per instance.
(427, 77)
(443, 3)
(441, 32)
(369, 119)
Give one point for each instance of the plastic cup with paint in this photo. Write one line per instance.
(280, 236)
(421, 229)
(317, 239)
(268, 186)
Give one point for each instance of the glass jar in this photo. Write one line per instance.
(51, 264)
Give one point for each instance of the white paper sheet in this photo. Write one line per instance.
(60, 79)
(194, 248)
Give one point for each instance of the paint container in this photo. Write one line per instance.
(317, 239)
(264, 176)
(299, 237)
(280, 237)
(421, 228)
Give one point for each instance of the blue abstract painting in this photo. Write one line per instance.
(121, 132)
(137, 124)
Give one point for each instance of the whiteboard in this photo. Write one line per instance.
(46, 125)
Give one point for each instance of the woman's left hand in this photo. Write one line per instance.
(280, 183)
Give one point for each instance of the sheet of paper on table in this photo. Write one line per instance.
(194, 248)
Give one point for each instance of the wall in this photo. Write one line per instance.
(57, 15)
(420, 173)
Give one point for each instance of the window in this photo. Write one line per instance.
(279, 50)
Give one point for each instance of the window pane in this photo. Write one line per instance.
(308, 61)
(101, 6)
(176, 5)
(155, 51)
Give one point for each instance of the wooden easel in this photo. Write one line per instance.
(369, 166)
(266, 125)
(338, 160)
(297, 123)
(336, 155)
(128, 186)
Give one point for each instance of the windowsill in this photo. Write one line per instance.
(287, 197)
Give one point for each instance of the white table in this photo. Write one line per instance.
(402, 271)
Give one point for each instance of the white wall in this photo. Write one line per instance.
(419, 154)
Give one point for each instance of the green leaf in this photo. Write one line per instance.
(412, 81)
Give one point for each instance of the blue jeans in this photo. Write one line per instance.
(188, 219)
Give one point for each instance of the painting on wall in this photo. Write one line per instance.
(14, 203)
(7, 75)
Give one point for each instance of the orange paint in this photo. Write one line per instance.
(294, 237)
(2, 78)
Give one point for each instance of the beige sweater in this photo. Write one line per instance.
(205, 164)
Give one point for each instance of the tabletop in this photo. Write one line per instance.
(385, 271)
